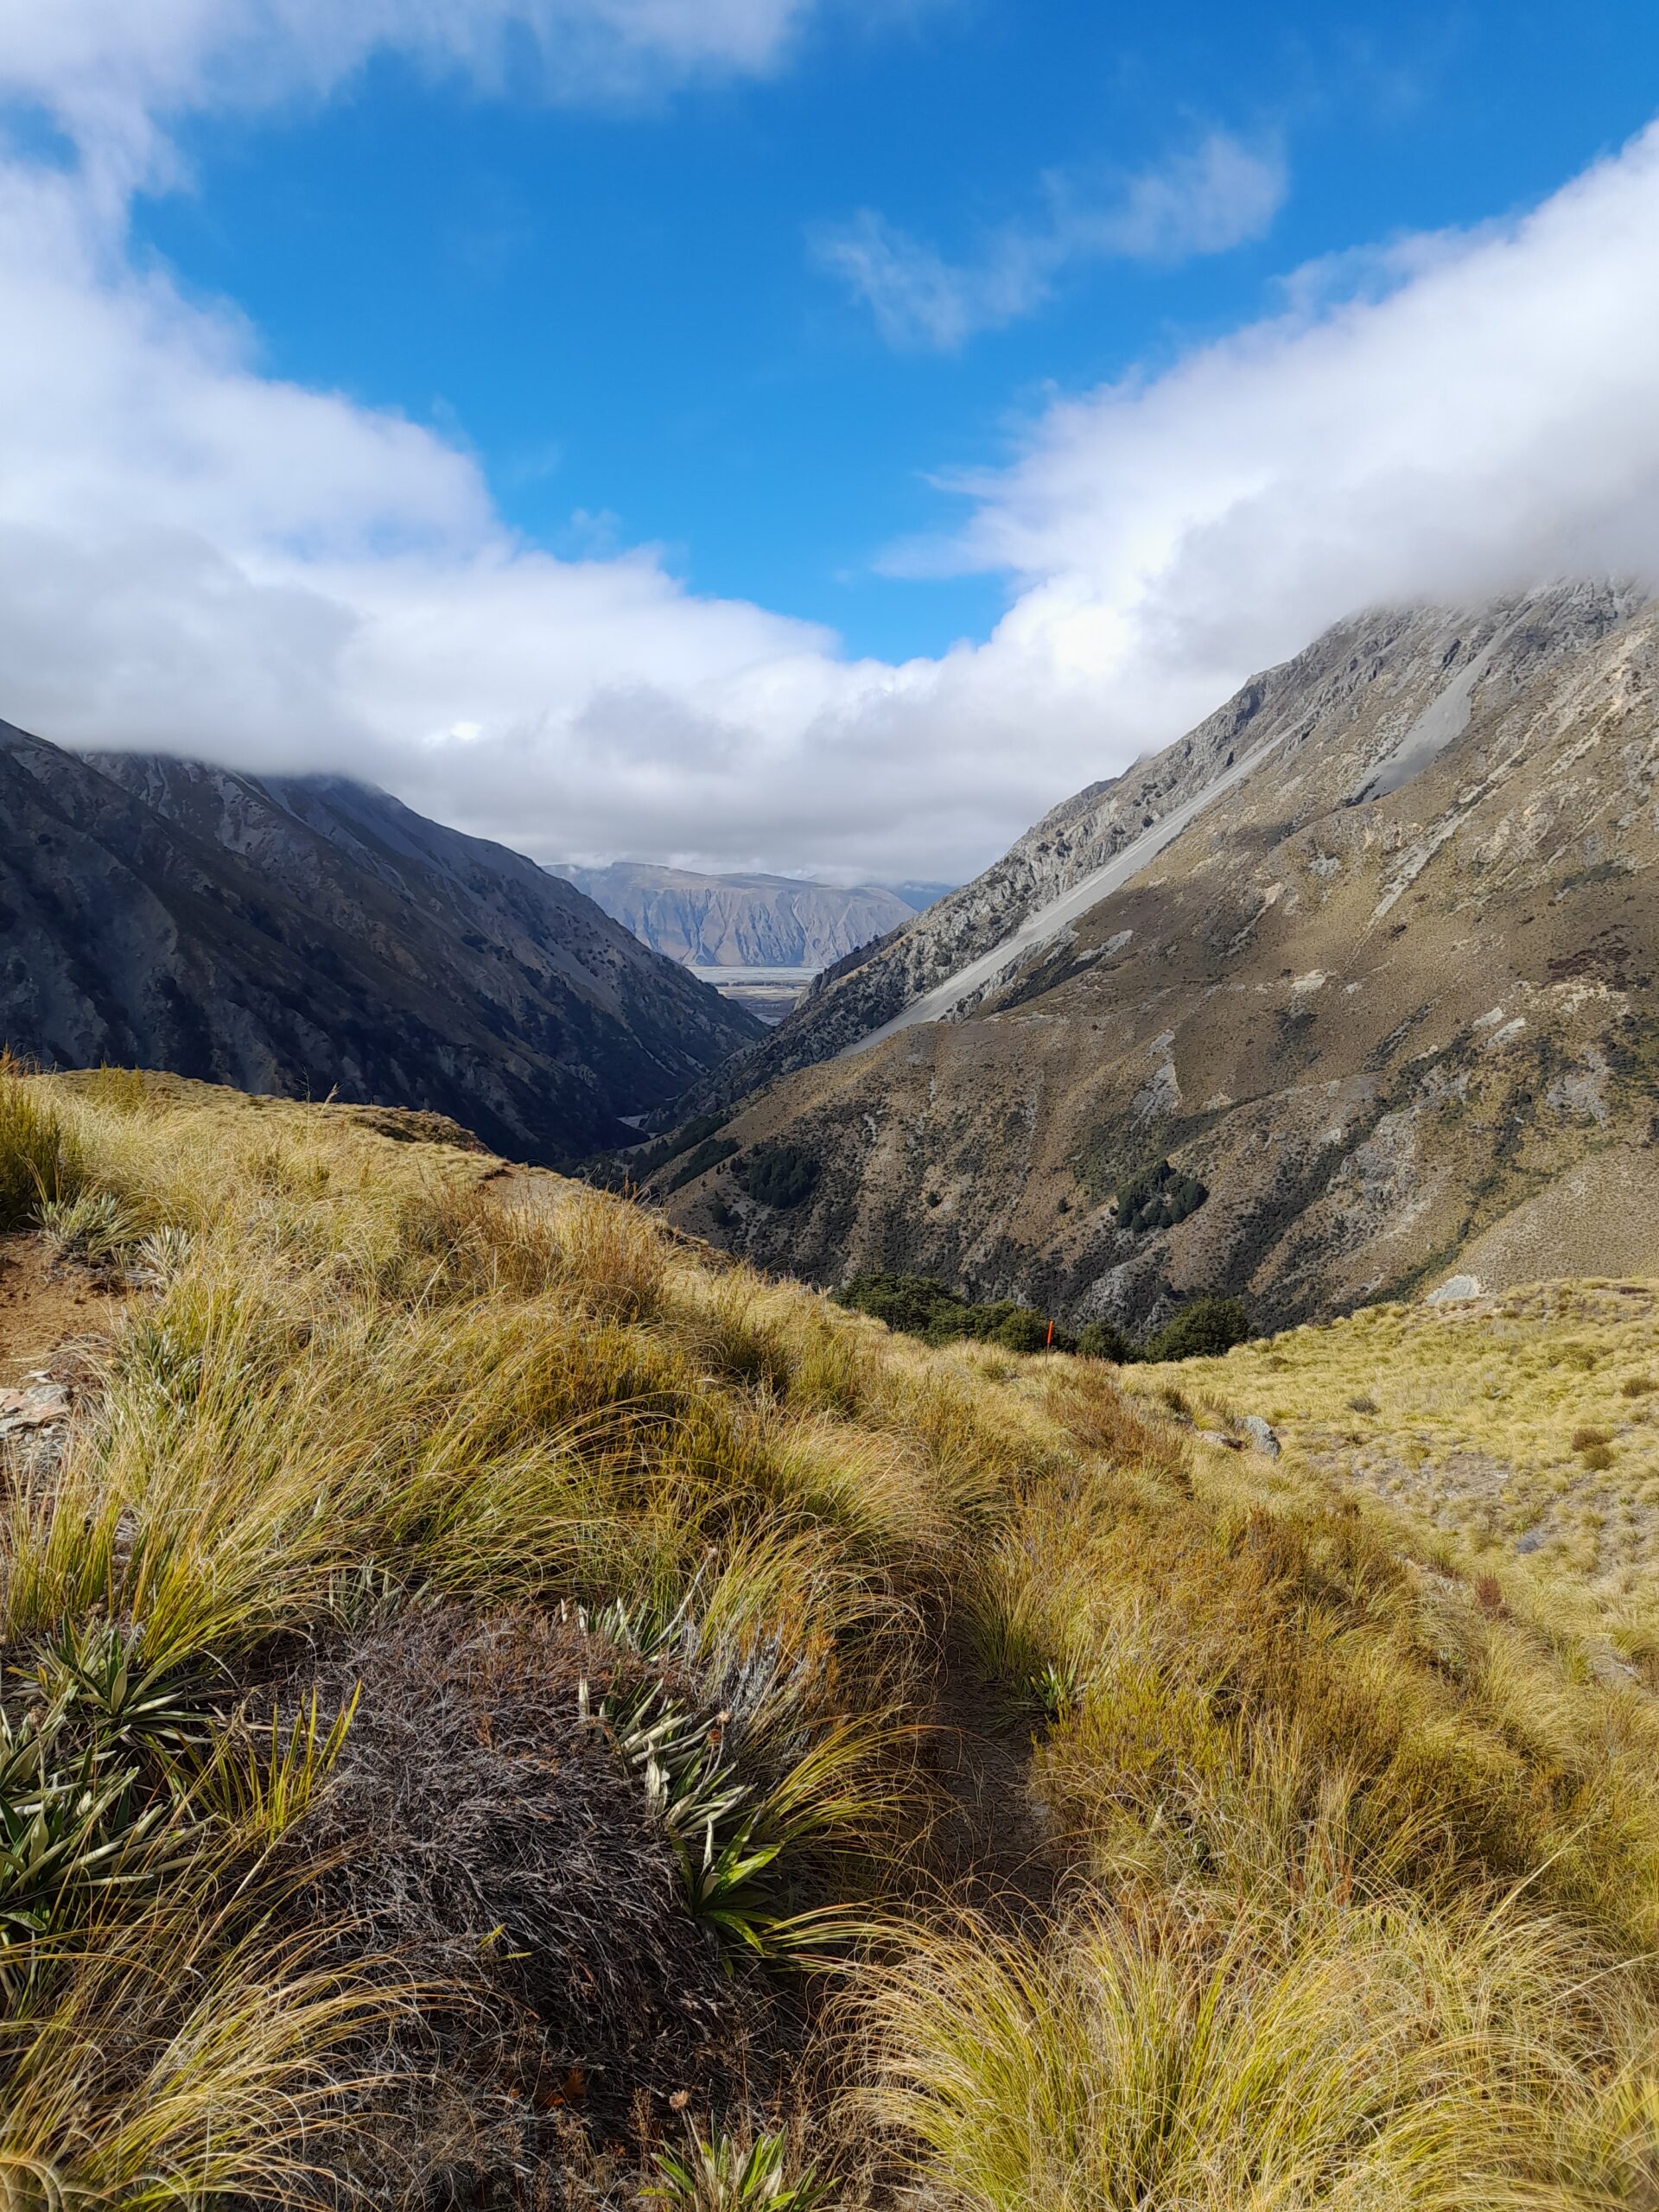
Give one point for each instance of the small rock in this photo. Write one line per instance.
(1453, 1290)
(1531, 1542)
(1262, 1435)
(37, 1406)
(1215, 1436)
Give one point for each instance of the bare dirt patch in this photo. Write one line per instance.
(44, 1308)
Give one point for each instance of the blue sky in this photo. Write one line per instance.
(815, 435)
(623, 314)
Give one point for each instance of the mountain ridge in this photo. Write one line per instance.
(1076, 837)
(752, 920)
(305, 935)
(1291, 1000)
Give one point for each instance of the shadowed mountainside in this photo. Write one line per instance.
(309, 935)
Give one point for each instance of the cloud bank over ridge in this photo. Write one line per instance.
(197, 556)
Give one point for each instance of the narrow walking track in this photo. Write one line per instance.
(992, 1845)
(43, 1308)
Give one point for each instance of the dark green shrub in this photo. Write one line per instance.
(779, 1175)
(923, 1307)
(698, 1161)
(1158, 1198)
(1026, 1330)
(985, 1322)
(1022, 1330)
(627, 1170)
(1105, 1340)
(695, 1131)
(1200, 1330)
(915, 1304)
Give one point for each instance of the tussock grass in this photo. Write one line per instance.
(196, 2050)
(1367, 2058)
(1267, 1691)
(364, 1386)
(1126, 1430)
(549, 1623)
(1520, 1429)
(40, 1161)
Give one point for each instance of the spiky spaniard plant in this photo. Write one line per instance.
(727, 2175)
(92, 1227)
(94, 1781)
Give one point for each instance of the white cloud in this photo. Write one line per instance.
(195, 555)
(1485, 419)
(1215, 197)
(1209, 201)
(920, 299)
(112, 73)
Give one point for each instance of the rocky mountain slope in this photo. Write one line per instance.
(740, 921)
(306, 936)
(1387, 993)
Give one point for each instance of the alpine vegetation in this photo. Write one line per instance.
(505, 1706)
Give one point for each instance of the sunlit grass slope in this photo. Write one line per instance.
(470, 1699)
(1525, 1426)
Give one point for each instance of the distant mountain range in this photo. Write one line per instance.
(747, 921)
(309, 935)
(1369, 958)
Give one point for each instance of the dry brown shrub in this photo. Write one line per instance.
(479, 1828)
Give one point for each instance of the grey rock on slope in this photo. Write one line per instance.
(739, 921)
(306, 935)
